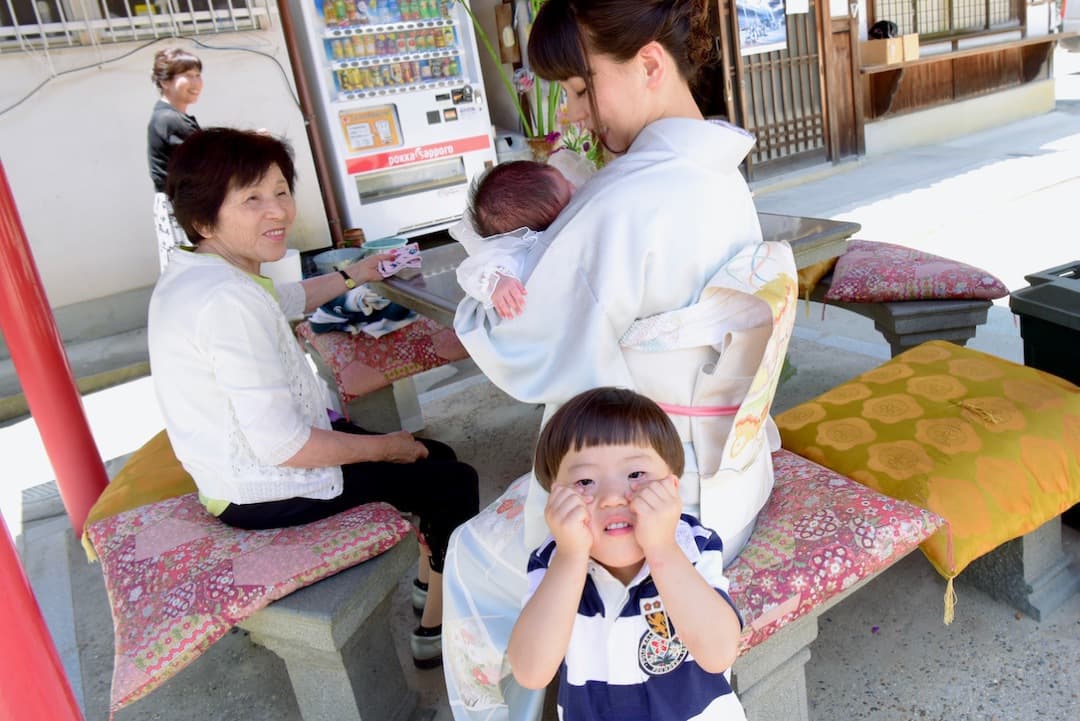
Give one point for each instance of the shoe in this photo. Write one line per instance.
(419, 596)
(426, 644)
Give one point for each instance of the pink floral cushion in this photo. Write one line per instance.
(178, 579)
(819, 534)
(362, 364)
(872, 272)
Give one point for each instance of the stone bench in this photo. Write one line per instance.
(317, 595)
(906, 324)
(819, 539)
(375, 378)
(334, 637)
(990, 445)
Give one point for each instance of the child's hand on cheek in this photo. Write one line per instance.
(657, 507)
(567, 515)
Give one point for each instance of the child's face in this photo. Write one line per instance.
(608, 476)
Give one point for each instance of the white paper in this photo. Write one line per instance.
(798, 7)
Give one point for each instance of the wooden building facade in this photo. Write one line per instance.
(810, 100)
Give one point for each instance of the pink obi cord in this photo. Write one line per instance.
(698, 411)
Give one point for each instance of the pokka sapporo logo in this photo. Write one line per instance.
(660, 651)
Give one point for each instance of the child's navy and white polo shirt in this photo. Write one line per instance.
(625, 661)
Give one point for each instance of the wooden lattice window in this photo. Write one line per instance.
(947, 17)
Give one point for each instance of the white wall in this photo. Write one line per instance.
(75, 153)
(503, 114)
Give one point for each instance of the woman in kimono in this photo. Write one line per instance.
(664, 287)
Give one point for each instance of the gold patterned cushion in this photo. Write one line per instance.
(989, 445)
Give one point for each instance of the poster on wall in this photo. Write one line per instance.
(762, 26)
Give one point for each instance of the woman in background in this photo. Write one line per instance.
(178, 76)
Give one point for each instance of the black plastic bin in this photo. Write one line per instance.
(1049, 311)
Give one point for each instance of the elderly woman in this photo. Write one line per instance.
(242, 408)
(177, 75)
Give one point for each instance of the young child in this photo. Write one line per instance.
(627, 599)
(523, 196)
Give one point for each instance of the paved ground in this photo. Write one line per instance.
(1002, 199)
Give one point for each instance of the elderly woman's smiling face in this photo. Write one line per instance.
(252, 222)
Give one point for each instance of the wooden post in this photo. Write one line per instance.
(37, 353)
(32, 680)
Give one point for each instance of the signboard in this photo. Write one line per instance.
(762, 26)
(408, 156)
(370, 128)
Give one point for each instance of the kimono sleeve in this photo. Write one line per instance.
(710, 564)
(240, 334)
(562, 343)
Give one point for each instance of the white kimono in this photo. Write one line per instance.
(647, 235)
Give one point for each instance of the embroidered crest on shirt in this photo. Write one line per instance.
(660, 651)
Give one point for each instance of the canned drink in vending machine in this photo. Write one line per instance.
(369, 45)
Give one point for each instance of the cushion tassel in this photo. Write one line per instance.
(950, 601)
(984, 413)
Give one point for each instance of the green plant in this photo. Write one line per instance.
(507, 83)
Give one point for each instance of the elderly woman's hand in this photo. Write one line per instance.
(366, 270)
(401, 447)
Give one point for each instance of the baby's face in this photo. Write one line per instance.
(563, 187)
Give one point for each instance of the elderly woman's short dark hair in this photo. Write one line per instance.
(170, 62)
(214, 161)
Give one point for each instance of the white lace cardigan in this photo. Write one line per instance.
(235, 389)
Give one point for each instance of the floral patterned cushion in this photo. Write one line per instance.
(362, 364)
(818, 535)
(178, 579)
(871, 272)
(991, 446)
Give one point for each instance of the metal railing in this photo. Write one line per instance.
(45, 24)
(947, 17)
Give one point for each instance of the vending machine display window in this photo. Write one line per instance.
(398, 183)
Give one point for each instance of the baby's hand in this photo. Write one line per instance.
(508, 297)
(567, 516)
(656, 506)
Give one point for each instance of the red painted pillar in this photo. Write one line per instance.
(32, 680)
(38, 355)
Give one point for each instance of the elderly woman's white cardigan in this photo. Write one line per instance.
(235, 389)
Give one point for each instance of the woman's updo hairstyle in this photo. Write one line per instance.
(565, 30)
(210, 163)
(170, 62)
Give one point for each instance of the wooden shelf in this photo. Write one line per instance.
(934, 80)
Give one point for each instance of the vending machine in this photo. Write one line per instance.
(401, 108)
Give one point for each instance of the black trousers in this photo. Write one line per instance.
(440, 489)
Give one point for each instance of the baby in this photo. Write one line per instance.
(514, 202)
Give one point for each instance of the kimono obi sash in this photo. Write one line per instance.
(715, 365)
